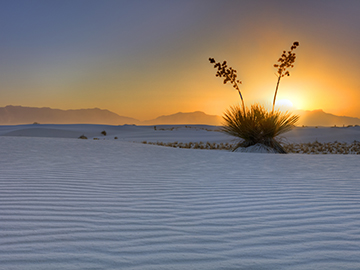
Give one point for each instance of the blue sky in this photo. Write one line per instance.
(148, 58)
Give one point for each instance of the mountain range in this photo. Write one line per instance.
(15, 115)
(321, 118)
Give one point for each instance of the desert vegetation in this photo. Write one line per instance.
(255, 125)
(324, 148)
(295, 148)
(194, 145)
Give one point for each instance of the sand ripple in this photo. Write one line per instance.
(74, 204)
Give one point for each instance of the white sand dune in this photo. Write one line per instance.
(171, 133)
(324, 134)
(112, 204)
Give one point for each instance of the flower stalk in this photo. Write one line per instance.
(285, 62)
(230, 75)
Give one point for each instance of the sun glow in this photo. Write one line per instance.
(284, 104)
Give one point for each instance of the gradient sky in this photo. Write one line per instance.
(146, 58)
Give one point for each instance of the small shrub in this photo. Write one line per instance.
(257, 125)
(83, 137)
(103, 132)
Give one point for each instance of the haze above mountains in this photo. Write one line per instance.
(16, 115)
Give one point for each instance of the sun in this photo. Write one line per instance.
(284, 104)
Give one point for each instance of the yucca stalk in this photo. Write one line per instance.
(286, 61)
(257, 125)
(229, 75)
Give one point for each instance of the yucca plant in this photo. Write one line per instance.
(257, 126)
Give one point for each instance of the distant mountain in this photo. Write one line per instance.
(15, 115)
(307, 118)
(321, 118)
(191, 118)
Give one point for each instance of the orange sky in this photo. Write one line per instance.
(144, 59)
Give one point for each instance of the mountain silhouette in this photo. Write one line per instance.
(190, 118)
(16, 115)
(321, 118)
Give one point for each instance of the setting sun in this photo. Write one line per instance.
(284, 104)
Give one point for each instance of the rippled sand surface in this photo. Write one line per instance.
(85, 204)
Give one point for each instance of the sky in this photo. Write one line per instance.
(144, 59)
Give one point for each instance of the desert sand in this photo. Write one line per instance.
(109, 203)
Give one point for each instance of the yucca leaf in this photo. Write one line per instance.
(257, 125)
